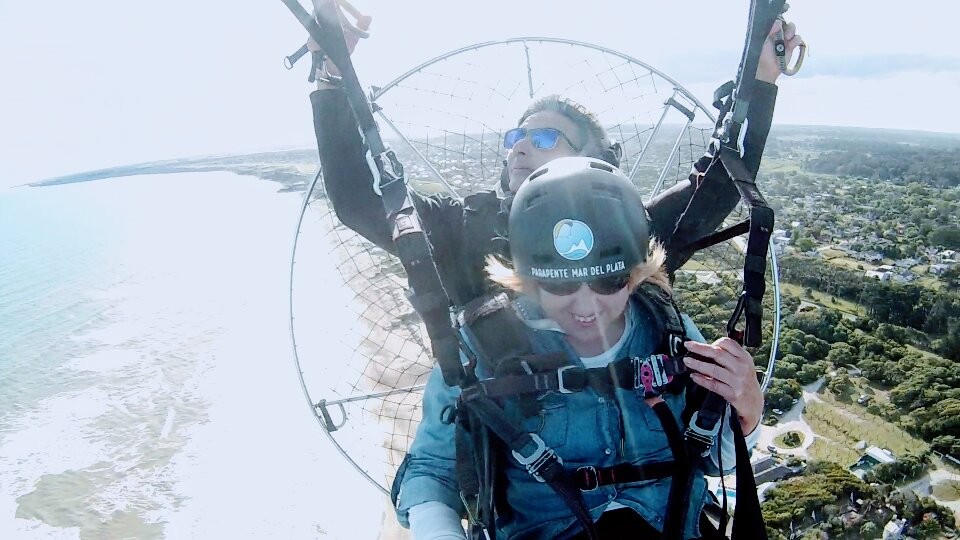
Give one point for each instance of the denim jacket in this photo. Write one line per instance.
(584, 428)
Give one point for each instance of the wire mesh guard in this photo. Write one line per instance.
(362, 352)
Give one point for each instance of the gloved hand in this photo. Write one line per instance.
(351, 34)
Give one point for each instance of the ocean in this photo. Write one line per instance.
(147, 388)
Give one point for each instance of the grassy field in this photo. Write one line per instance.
(824, 450)
(831, 254)
(850, 264)
(782, 442)
(845, 306)
(947, 491)
(849, 424)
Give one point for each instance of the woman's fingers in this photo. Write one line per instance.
(723, 355)
(714, 385)
(726, 368)
(708, 368)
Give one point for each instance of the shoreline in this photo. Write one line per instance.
(292, 169)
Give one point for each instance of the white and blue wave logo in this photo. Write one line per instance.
(573, 239)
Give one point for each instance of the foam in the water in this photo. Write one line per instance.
(171, 408)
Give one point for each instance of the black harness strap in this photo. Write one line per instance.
(705, 423)
(426, 291)
(475, 471)
(590, 478)
(717, 237)
(678, 498)
(669, 323)
(755, 261)
(652, 374)
(748, 521)
(541, 462)
(763, 13)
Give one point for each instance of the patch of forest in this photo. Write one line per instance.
(899, 157)
(924, 388)
(934, 312)
(829, 499)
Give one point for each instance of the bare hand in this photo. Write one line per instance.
(731, 375)
(769, 66)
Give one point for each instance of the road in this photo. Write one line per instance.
(792, 420)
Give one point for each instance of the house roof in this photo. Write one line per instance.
(881, 455)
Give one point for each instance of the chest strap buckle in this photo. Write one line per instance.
(542, 463)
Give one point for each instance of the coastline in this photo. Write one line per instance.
(293, 169)
(179, 382)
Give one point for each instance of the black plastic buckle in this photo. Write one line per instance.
(588, 478)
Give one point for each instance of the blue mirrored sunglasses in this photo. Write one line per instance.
(542, 138)
(605, 285)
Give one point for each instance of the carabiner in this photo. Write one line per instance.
(780, 48)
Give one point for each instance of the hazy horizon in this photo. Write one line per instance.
(90, 91)
(39, 182)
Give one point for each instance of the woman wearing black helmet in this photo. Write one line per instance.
(592, 284)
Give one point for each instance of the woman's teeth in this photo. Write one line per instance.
(582, 319)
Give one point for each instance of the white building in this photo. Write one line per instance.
(939, 269)
(871, 457)
(883, 275)
(894, 529)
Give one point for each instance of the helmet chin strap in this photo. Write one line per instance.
(505, 178)
(612, 154)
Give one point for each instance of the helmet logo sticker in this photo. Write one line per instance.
(572, 239)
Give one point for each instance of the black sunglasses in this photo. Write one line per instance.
(543, 138)
(605, 285)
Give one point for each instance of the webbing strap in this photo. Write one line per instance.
(761, 227)
(747, 517)
(590, 478)
(704, 425)
(678, 499)
(652, 374)
(411, 242)
(715, 238)
(529, 450)
(475, 474)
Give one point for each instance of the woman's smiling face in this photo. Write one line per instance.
(593, 322)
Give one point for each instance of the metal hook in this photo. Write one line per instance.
(781, 48)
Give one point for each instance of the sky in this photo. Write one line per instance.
(101, 83)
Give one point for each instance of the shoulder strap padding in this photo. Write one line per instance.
(666, 315)
(497, 331)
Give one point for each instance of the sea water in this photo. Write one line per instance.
(147, 388)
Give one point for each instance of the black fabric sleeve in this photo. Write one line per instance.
(704, 201)
(349, 183)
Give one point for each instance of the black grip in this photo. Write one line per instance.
(289, 61)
